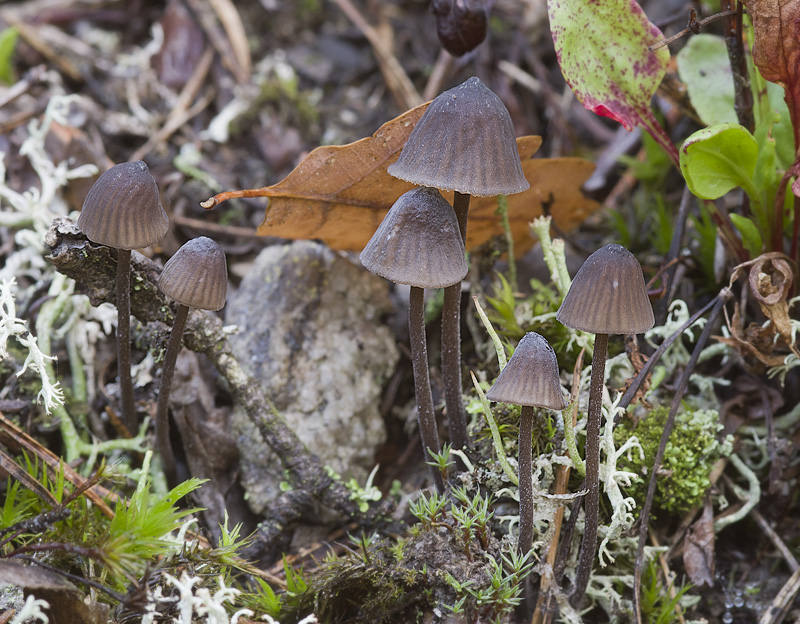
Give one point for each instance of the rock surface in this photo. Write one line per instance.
(311, 331)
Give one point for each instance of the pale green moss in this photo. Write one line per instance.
(692, 449)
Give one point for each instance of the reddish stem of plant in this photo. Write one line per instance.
(525, 480)
(124, 339)
(451, 342)
(422, 382)
(591, 502)
(162, 411)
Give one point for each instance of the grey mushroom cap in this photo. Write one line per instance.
(418, 242)
(197, 275)
(123, 208)
(464, 142)
(608, 295)
(530, 377)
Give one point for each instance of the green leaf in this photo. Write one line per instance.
(602, 49)
(720, 158)
(8, 43)
(751, 238)
(704, 66)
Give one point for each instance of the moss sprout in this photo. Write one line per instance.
(691, 452)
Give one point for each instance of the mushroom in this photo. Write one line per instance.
(530, 379)
(607, 296)
(196, 277)
(418, 243)
(123, 210)
(464, 143)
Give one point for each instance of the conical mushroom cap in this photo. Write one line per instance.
(197, 275)
(464, 142)
(418, 242)
(608, 295)
(123, 208)
(530, 377)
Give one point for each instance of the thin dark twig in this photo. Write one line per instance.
(683, 383)
(693, 27)
(674, 249)
(626, 399)
(734, 41)
(79, 579)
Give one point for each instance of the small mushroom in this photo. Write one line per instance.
(418, 244)
(607, 296)
(464, 143)
(196, 277)
(530, 379)
(123, 210)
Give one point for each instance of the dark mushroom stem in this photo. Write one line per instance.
(162, 410)
(422, 383)
(592, 499)
(451, 342)
(526, 480)
(124, 339)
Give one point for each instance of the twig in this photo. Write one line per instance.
(222, 44)
(543, 612)
(776, 540)
(396, 78)
(734, 40)
(626, 399)
(441, 68)
(181, 113)
(674, 248)
(683, 383)
(93, 270)
(693, 27)
(780, 605)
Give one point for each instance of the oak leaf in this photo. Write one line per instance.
(340, 194)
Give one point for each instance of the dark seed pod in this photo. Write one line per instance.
(460, 24)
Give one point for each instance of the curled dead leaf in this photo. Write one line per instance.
(340, 194)
(771, 276)
(698, 548)
(754, 343)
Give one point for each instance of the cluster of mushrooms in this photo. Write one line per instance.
(463, 143)
(123, 210)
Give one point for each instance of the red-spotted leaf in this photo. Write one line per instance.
(602, 48)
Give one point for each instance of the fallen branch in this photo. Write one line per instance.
(93, 268)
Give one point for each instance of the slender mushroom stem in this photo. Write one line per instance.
(124, 338)
(422, 382)
(162, 411)
(451, 342)
(525, 480)
(592, 500)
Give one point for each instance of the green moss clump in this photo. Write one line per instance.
(692, 449)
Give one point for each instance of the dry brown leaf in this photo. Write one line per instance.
(698, 549)
(776, 48)
(340, 194)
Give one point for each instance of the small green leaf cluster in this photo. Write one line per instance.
(658, 607)
(692, 449)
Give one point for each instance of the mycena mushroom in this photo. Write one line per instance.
(464, 143)
(196, 277)
(418, 243)
(607, 296)
(123, 210)
(530, 379)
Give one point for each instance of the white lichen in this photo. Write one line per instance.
(32, 611)
(50, 394)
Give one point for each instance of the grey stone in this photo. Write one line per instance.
(311, 331)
